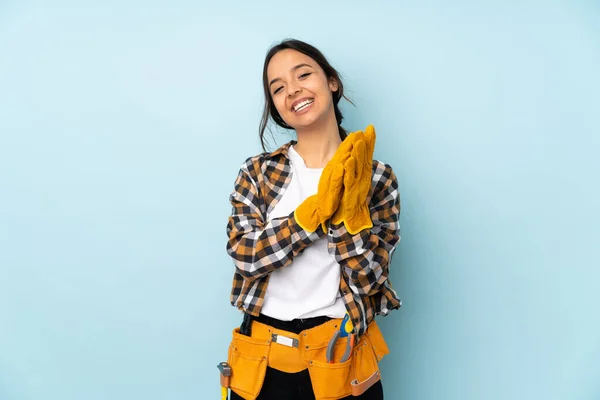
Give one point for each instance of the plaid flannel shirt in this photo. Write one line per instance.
(258, 246)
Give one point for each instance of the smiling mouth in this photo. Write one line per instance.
(302, 105)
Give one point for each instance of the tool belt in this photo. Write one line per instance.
(249, 356)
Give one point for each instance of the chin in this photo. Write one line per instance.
(305, 121)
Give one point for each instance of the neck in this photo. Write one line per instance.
(317, 144)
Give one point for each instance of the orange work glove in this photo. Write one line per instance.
(317, 209)
(354, 208)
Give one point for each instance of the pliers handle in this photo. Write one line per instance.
(331, 347)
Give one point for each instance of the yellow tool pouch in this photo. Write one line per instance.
(289, 352)
(247, 358)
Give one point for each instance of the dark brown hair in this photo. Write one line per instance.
(330, 73)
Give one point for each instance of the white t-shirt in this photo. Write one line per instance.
(309, 286)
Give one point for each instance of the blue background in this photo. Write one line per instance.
(123, 125)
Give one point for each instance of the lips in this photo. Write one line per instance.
(300, 104)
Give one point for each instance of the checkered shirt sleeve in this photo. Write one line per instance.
(258, 247)
(365, 257)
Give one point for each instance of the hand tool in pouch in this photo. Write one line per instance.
(225, 371)
(346, 330)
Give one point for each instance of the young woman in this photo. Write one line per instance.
(312, 231)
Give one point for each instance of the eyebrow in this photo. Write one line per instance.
(293, 69)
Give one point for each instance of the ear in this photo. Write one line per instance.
(333, 85)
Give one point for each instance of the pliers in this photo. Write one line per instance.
(346, 330)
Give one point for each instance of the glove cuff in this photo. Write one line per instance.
(307, 215)
(357, 222)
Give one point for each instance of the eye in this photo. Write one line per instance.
(305, 75)
(278, 90)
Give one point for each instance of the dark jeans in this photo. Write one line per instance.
(280, 385)
(283, 386)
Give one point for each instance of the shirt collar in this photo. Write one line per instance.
(283, 150)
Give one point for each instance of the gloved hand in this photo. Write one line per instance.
(353, 209)
(318, 209)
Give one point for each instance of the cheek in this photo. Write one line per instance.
(279, 104)
(280, 107)
(322, 90)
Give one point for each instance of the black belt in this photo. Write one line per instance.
(295, 326)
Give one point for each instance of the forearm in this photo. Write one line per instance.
(365, 256)
(258, 249)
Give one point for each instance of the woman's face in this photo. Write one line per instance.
(299, 88)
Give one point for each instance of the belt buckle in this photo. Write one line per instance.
(284, 340)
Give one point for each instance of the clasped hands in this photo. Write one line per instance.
(343, 187)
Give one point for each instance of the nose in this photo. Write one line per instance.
(292, 89)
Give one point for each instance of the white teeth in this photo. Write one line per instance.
(302, 105)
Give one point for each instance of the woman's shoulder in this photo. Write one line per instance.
(383, 171)
(384, 178)
(274, 160)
